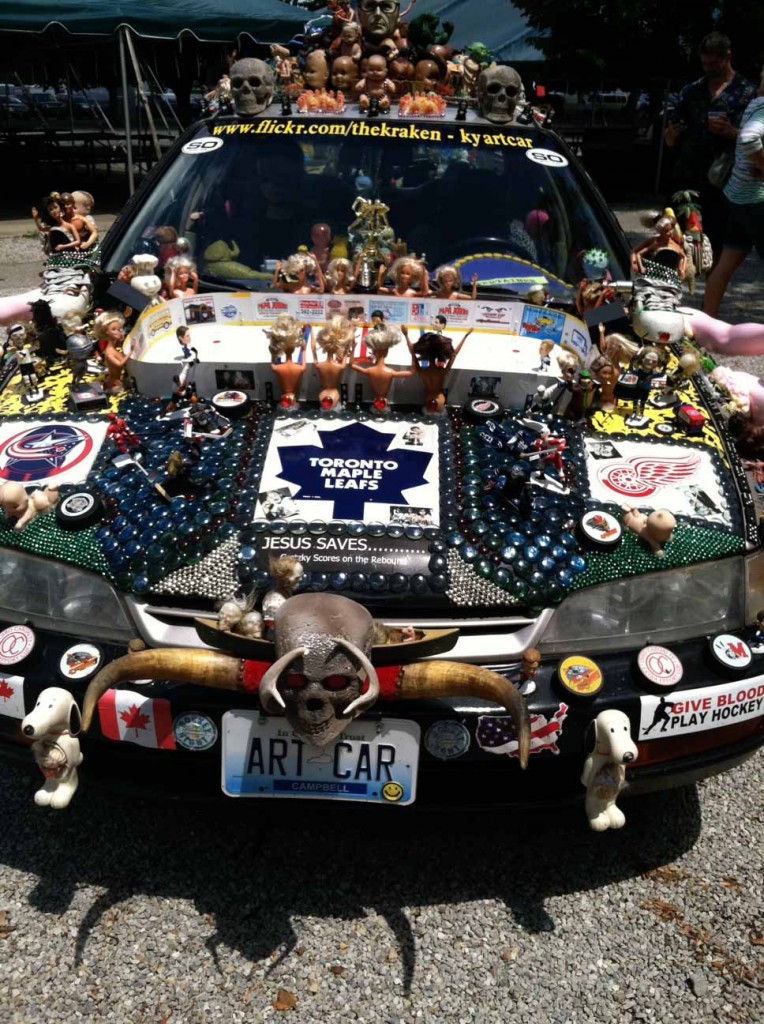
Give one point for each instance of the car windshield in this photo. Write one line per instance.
(245, 195)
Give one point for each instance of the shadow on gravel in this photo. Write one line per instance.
(254, 868)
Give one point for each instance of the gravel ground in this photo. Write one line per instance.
(121, 910)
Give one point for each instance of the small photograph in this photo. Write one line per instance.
(235, 380)
(278, 503)
(602, 450)
(292, 427)
(406, 515)
(701, 504)
(414, 436)
(484, 387)
(199, 312)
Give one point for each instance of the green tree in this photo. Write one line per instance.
(633, 42)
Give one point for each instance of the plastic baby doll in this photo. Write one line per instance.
(295, 275)
(284, 338)
(409, 277)
(380, 340)
(448, 282)
(336, 340)
(349, 41)
(375, 85)
(83, 220)
(433, 356)
(109, 329)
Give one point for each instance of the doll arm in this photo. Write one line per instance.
(718, 336)
(474, 282)
(93, 233)
(312, 343)
(276, 272)
(425, 282)
(74, 244)
(39, 224)
(360, 369)
(458, 349)
(402, 373)
(381, 278)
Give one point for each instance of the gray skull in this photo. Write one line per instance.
(499, 88)
(251, 85)
(323, 643)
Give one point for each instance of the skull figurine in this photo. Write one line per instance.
(499, 89)
(251, 85)
(323, 642)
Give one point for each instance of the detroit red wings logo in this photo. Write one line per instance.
(642, 475)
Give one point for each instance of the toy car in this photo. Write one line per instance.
(390, 505)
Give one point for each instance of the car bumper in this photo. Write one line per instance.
(474, 774)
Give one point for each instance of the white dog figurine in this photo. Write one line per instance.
(55, 721)
(604, 774)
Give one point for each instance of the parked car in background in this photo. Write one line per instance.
(45, 102)
(11, 107)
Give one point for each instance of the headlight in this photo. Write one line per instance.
(656, 608)
(754, 589)
(61, 598)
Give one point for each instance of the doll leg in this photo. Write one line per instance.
(16, 307)
(718, 336)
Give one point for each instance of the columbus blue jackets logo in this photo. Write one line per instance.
(44, 451)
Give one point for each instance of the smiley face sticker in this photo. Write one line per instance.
(392, 792)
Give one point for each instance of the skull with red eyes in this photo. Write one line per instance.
(323, 643)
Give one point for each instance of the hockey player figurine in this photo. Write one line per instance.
(25, 363)
(119, 432)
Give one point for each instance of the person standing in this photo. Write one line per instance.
(744, 194)
(704, 127)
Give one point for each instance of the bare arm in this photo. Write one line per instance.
(93, 233)
(425, 283)
(320, 278)
(474, 286)
(458, 349)
(360, 369)
(276, 272)
(75, 243)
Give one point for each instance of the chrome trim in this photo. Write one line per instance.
(484, 640)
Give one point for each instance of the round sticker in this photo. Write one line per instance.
(229, 399)
(16, 642)
(664, 428)
(392, 792)
(80, 661)
(194, 731)
(447, 739)
(580, 676)
(660, 666)
(731, 652)
(197, 147)
(600, 529)
(547, 158)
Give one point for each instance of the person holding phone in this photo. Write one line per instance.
(704, 126)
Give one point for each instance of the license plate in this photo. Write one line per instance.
(372, 762)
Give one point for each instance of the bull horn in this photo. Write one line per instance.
(203, 668)
(267, 690)
(452, 679)
(370, 697)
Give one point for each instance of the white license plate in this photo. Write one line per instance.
(374, 762)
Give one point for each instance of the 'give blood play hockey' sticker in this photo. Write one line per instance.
(708, 707)
(16, 642)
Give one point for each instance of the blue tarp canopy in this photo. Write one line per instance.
(496, 23)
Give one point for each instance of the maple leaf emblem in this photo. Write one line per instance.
(134, 718)
(6, 691)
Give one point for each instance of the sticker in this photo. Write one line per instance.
(16, 642)
(229, 399)
(447, 739)
(547, 158)
(496, 733)
(392, 792)
(194, 731)
(41, 452)
(731, 652)
(581, 676)
(197, 147)
(664, 428)
(698, 710)
(660, 666)
(600, 529)
(12, 696)
(80, 661)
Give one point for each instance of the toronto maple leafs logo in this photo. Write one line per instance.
(642, 475)
(351, 466)
(43, 451)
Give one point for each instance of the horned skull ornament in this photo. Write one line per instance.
(251, 86)
(322, 645)
(499, 90)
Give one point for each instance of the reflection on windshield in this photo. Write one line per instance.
(258, 200)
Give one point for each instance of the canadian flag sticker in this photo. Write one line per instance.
(129, 717)
(12, 696)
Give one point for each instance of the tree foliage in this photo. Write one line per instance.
(634, 42)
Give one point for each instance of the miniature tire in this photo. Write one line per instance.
(232, 403)
(479, 409)
(79, 509)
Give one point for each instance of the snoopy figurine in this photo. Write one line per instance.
(55, 722)
(604, 774)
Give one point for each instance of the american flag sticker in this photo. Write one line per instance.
(496, 733)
